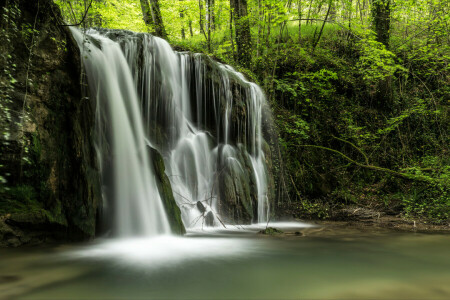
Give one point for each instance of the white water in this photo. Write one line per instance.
(144, 93)
(156, 253)
(138, 207)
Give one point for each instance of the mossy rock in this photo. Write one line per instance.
(166, 193)
(49, 166)
(271, 231)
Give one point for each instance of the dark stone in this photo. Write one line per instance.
(271, 231)
(165, 190)
(209, 219)
(201, 207)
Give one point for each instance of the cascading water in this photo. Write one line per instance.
(185, 106)
(138, 208)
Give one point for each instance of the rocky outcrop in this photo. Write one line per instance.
(49, 179)
(165, 191)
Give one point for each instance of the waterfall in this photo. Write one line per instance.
(202, 116)
(138, 207)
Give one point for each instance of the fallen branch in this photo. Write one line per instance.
(354, 146)
(376, 168)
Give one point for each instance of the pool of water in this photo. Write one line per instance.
(237, 263)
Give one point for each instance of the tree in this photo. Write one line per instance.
(330, 5)
(183, 30)
(381, 14)
(242, 29)
(152, 17)
(210, 18)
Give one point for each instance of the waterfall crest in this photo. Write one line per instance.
(202, 116)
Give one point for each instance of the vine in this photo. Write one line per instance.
(28, 32)
(8, 30)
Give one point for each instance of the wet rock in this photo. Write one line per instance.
(165, 190)
(201, 207)
(209, 219)
(271, 231)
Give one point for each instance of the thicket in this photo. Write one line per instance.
(359, 90)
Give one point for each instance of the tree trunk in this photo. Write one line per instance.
(200, 19)
(183, 31)
(147, 14)
(211, 17)
(157, 19)
(152, 17)
(260, 20)
(242, 29)
(231, 34)
(309, 13)
(323, 24)
(191, 31)
(333, 13)
(201, 22)
(299, 21)
(381, 13)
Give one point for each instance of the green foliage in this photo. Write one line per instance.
(315, 209)
(7, 80)
(375, 61)
(429, 203)
(19, 198)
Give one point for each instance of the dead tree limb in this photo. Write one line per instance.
(376, 168)
(84, 17)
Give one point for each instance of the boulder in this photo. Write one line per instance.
(165, 190)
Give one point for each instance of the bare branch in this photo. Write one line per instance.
(84, 17)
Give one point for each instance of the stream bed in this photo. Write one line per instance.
(238, 263)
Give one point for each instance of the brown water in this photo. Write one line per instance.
(320, 264)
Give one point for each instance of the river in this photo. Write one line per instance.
(237, 263)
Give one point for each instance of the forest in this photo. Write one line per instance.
(359, 91)
(224, 149)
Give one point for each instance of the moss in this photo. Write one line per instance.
(271, 231)
(22, 205)
(19, 198)
(59, 183)
(36, 145)
(165, 190)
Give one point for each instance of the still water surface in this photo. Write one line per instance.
(321, 263)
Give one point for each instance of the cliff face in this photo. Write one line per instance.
(49, 184)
